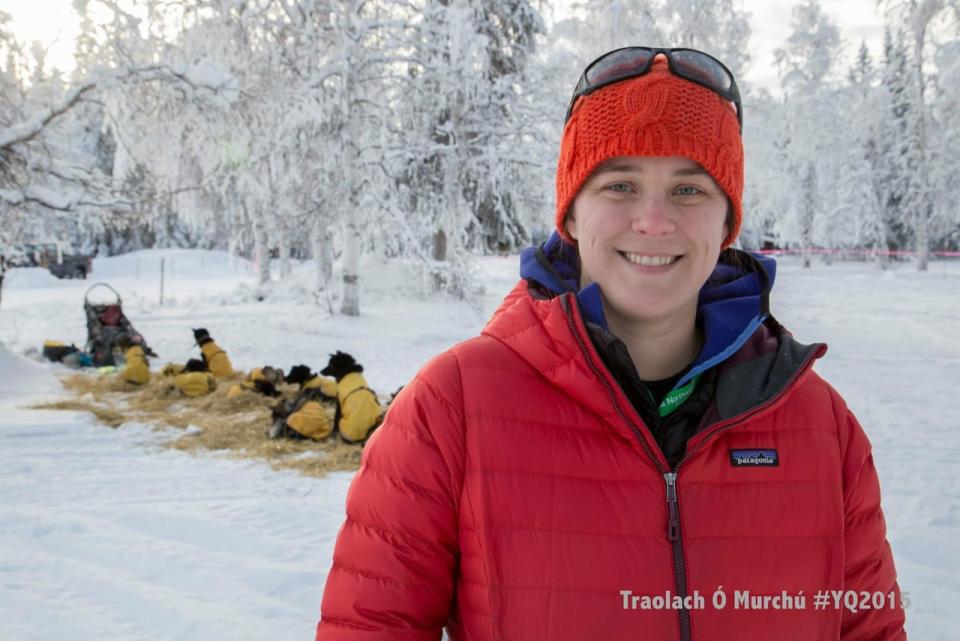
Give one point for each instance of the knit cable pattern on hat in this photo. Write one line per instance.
(657, 114)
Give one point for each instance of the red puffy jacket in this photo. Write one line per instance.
(513, 493)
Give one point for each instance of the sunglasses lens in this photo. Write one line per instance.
(617, 66)
(703, 68)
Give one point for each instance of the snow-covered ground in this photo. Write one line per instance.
(107, 535)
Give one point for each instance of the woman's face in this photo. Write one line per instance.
(649, 232)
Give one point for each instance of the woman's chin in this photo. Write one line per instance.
(641, 309)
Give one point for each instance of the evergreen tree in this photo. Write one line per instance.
(806, 62)
(915, 166)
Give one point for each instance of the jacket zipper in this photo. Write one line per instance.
(676, 543)
(674, 533)
(673, 506)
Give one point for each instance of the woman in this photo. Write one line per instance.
(632, 423)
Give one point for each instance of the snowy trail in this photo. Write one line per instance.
(106, 535)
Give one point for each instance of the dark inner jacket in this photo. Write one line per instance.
(732, 304)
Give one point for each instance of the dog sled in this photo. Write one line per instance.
(106, 323)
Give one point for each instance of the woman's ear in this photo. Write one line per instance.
(727, 222)
(570, 224)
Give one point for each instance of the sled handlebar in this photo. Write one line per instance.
(86, 295)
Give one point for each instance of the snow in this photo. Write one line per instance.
(30, 277)
(52, 197)
(17, 374)
(107, 535)
(208, 74)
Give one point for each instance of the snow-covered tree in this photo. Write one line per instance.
(428, 130)
(715, 26)
(919, 205)
(767, 186)
(806, 62)
(463, 161)
(946, 145)
(860, 188)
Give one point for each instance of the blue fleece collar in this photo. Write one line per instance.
(728, 309)
(556, 266)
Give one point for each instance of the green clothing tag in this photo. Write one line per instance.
(675, 398)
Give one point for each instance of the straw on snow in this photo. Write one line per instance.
(236, 426)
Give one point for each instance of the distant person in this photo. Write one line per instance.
(633, 422)
(3, 272)
(69, 355)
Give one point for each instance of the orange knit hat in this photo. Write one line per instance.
(656, 114)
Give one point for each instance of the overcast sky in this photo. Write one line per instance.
(54, 23)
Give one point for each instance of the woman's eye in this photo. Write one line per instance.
(620, 187)
(688, 190)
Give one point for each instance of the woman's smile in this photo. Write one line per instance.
(650, 263)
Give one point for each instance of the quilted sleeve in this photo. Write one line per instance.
(868, 560)
(396, 554)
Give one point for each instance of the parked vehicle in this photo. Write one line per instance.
(57, 256)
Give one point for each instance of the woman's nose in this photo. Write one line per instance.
(650, 217)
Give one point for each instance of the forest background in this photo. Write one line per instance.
(427, 131)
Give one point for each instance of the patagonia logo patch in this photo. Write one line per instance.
(754, 458)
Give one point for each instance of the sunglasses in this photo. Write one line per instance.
(630, 62)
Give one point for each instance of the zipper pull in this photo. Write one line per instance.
(673, 523)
